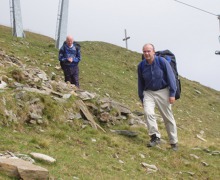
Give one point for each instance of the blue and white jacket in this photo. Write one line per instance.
(66, 52)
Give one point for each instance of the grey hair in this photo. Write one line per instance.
(150, 45)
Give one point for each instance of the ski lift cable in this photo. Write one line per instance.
(198, 8)
(216, 52)
(201, 10)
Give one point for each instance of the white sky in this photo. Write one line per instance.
(192, 35)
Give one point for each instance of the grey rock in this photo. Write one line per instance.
(215, 153)
(32, 121)
(67, 96)
(3, 84)
(125, 132)
(42, 75)
(198, 92)
(199, 136)
(43, 157)
(85, 95)
(194, 156)
(35, 116)
(204, 163)
(104, 117)
(25, 157)
(150, 166)
(138, 113)
(21, 169)
(121, 108)
(39, 121)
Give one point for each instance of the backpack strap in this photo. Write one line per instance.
(142, 65)
(158, 61)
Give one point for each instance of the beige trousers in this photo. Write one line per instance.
(160, 99)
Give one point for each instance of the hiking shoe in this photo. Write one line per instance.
(174, 147)
(154, 141)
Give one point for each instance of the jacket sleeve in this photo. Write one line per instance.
(62, 57)
(140, 82)
(77, 58)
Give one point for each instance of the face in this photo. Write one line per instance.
(69, 41)
(148, 51)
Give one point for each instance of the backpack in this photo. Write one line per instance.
(170, 57)
(77, 45)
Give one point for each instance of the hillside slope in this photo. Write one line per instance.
(109, 71)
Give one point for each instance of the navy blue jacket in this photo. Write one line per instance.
(155, 76)
(66, 52)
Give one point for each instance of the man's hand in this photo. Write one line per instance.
(171, 100)
(70, 59)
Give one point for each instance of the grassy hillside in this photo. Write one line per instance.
(107, 70)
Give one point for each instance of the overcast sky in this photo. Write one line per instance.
(191, 34)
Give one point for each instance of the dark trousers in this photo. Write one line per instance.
(71, 74)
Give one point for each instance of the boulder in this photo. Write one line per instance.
(43, 157)
(21, 169)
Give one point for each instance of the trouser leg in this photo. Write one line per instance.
(162, 101)
(75, 76)
(71, 74)
(67, 74)
(149, 107)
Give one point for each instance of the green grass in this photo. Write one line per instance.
(105, 69)
(77, 155)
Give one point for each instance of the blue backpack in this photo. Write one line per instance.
(170, 57)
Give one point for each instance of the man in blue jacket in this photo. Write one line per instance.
(69, 57)
(157, 87)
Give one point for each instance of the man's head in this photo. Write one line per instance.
(149, 52)
(69, 41)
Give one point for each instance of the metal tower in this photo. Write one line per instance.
(62, 20)
(16, 20)
(218, 52)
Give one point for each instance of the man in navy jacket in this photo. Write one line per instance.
(157, 87)
(69, 57)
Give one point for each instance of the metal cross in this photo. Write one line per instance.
(126, 39)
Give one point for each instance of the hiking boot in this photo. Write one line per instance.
(174, 147)
(154, 141)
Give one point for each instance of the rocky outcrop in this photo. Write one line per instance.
(34, 80)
